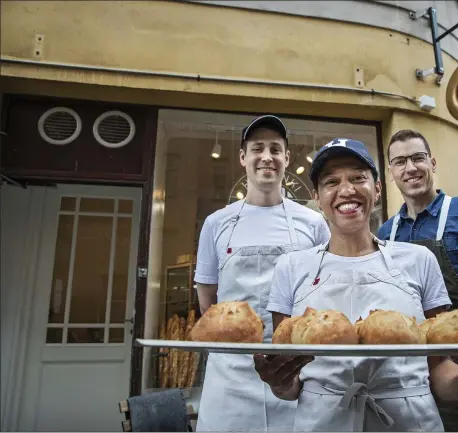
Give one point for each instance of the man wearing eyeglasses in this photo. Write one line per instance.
(428, 217)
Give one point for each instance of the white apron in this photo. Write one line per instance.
(364, 394)
(233, 397)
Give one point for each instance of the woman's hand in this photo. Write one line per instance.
(281, 373)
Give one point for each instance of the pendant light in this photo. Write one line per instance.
(216, 151)
(312, 154)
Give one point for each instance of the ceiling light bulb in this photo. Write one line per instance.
(311, 155)
(239, 195)
(300, 169)
(216, 151)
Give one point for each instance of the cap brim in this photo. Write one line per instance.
(267, 121)
(333, 152)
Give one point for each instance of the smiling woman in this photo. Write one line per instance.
(357, 274)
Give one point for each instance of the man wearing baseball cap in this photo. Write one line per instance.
(238, 249)
(355, 273)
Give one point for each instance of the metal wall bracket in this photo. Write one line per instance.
(438, 69)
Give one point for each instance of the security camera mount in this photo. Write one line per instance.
(438, 69)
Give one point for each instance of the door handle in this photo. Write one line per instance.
(131, 320)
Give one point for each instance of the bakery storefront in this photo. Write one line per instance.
(197, 162)
(102, 206)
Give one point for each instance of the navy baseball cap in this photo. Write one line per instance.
(341, 147)
(269, 122)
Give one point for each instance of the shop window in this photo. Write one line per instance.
(196, 184)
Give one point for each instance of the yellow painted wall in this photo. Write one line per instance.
(190, 38)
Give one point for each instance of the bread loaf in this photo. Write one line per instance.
(163, 376)
(229, 322)
(444, 328)
(389, 327)
(282, 334)
(323, 327)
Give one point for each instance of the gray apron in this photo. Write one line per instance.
(438, 249)
(448, 411)
(233, 397)
(358, 393)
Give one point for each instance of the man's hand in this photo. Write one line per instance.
(281, 373)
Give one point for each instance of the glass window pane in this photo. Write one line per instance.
(121, 271)
(61, 267)
(125, 206)
(116, 335)
(97, 205)
(54, 335)
(90, 274)
(85, 335)
(68, 203)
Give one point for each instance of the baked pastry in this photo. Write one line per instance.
(389, 327)
(424, 328)
(444, 328)
(234, 322)
(323, 327)
(282, 334)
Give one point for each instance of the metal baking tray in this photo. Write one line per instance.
(302, 349)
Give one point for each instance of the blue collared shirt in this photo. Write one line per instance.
(425, 226)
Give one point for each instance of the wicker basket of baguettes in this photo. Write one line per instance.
(237, 322)
(178, 368)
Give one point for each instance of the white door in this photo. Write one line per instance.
(77, 366)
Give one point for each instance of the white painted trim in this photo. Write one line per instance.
(71, 268)
(114, 234)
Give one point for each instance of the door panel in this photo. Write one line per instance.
(78, 364)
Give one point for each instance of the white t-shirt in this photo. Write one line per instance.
(418, 265)
(256, 225)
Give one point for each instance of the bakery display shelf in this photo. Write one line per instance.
(315, 350)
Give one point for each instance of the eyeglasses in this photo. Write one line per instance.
(416, 158)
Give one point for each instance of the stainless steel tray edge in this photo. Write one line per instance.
(315, 350)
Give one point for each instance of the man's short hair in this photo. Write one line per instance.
(407, 134)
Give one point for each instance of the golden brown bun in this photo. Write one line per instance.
(282, 334)
(358, 325)
(323, 327)
(444, 328)
(389, 327)
(234, 322)
(424, 328)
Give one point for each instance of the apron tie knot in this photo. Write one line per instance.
(358, 391)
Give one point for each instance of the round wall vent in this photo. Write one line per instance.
(59, 125)
(114, 129)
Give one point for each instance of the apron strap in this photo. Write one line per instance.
(394, 270)
(443, 217)
(291, 227)
(316, 262)
(233, 223)
(363, 398)
(394, 227)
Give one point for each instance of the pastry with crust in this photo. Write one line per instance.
(444, 329)
(388, 327)
(282, 334)
(234, 322)
(424, 328)
(323, 327)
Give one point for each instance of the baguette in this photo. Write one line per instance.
(173, 360)
(180, 365)
(186, 356)
(163, 359)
